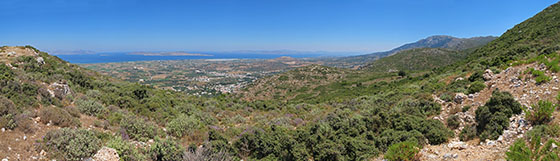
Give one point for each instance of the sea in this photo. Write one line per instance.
(126, 57)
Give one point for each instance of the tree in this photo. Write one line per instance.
(402, 73)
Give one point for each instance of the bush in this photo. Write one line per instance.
(126, 151)
(447, 97)
(540, 77)
(493, 117)
(206, 153)
(476, 87)
(72, 111)
(453, 121)
(24, 123)
(137, 128)
(6, 106)
(90, 107)
(182, 125)
(465, 108)
(519, 151)
(544, 131)
(8, 122)
(58, 116)
(70, 144)
(541, 113)
(166, 150)
(477, 76)
(468, 133)
(403, 151)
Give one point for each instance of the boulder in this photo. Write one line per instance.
(60, 89)
(488, 74)
(459, 98)
(457, 145)
(40, 60)
(106, 154)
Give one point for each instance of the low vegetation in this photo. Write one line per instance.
(541, 112)
(70, 144)
(404, 151)
(493, 117)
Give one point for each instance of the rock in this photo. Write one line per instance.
(459, 98)
(450, 156)
(24, 137)
(554, 146)
(5, 159)
(431, 156)
(490, 142)
(106, 154)
(40, 60)
(60, 89)
(3, 129)
(471, 96)
(457, 145)
(488, 74)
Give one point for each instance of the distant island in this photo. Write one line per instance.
(168, 54)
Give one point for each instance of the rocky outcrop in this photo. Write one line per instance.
(459, 98)
(59, 89)
(106, 154)
(488, 74)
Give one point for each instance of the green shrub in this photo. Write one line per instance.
(447, 97)
(166, 150)
(493, 117)
(58, 116)
(6, 106)
(8, 122)
(70, 144)
(540, 77)
(182, 125)
(477, 76)
(541, 113)
(137, 128)
(453, 121)
(519, 151)
(465, 108)
(206, 153)
(72, 111)
(544, 131)
(90, 107)
(24, 123)
(126, 151)
(476, 87)
(403, 151)
(467, 133)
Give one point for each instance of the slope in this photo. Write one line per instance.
(441, 41)
(537, 35)
(416, 59)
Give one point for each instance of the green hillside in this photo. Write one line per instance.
(61, 111)
(537, 35)
(417, 59)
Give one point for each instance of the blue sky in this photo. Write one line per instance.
(228, 25)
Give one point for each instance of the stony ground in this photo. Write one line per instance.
(526, 91)
(17, 145)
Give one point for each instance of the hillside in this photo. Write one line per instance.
(479, 108)
(287, 86)
(416, 59)
(537, 35)
(441, 41)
